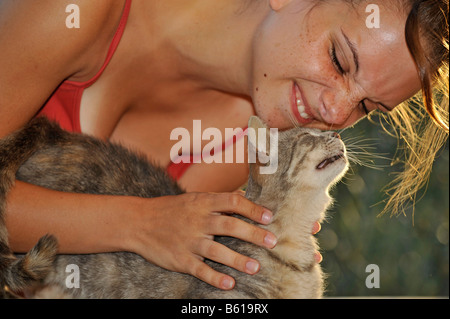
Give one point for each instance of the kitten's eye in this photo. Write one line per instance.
(335, 60)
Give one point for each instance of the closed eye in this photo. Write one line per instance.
(335, 60)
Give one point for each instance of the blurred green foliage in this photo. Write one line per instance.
(411, 251)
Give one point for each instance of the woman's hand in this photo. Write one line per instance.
(177, 233)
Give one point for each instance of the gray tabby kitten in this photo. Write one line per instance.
(309, 161)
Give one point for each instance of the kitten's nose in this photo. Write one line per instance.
(336, 135)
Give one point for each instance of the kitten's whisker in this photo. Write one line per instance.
(363, 153)
(294, 122)
(342, 130)
(331, 127)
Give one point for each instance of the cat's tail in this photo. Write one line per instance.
(19, 146)
(20, 273)
(15, 149)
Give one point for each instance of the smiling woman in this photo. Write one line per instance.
(135, 70)
(342, 70)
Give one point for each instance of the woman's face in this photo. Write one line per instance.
(315, 67)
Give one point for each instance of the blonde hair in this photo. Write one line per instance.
(422, 122)
(420, 140)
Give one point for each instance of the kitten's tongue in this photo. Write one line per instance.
(324, 164)
(328, 161)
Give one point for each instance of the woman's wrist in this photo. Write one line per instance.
(130, 223)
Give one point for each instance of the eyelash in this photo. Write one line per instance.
(335, 60)
(341, 70)
(364, 107)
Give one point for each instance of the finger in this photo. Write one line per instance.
(224, 255)
(239, 192)
(316, 228)
(233, 227)
(238, 204)
(205, 273)
(318, 257)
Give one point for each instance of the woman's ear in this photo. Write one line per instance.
(277, 5)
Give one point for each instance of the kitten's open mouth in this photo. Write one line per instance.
(330, 160)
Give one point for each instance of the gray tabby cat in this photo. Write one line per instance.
(309, 161)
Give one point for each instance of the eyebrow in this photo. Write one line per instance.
(354, 50)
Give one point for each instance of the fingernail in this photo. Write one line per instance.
(252, 267)
(318, 257)
(227, 283)
(316, 228)
(270, 240)
(267, 216)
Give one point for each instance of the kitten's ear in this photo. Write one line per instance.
(256, 141)
(255, 123)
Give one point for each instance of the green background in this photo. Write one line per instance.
(412, 253)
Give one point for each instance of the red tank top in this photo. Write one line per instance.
(63, 106)
(176, 170)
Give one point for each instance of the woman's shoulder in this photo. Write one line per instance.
(84, 15)
(40, 47)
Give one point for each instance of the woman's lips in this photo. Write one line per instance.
(299, 106)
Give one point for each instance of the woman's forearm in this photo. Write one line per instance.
(174, 232)
(83, 223)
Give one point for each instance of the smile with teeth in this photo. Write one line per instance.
(301, 109)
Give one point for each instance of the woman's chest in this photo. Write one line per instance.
(142, 97)
(150, 121)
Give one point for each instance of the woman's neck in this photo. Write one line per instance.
(209, 41)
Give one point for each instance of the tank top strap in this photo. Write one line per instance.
(112, 48)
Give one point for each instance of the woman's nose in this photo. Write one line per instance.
(336, 108)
